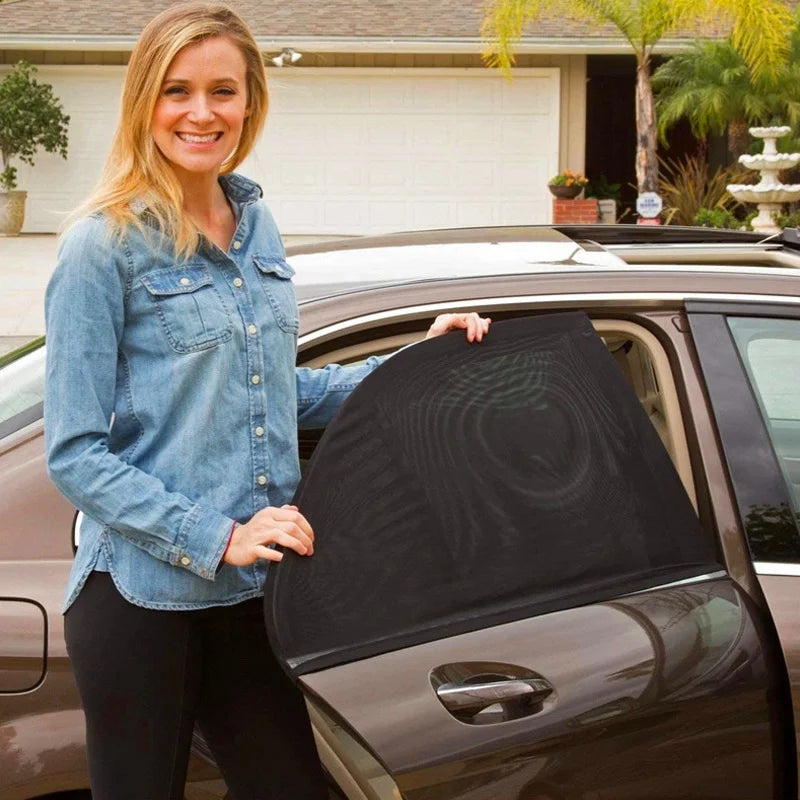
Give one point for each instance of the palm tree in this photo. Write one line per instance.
(713, 88)
(759, 33)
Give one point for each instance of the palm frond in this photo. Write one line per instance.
(761, 32)
(502, 28)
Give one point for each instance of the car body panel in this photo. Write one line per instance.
(41, 731)
(673, 676)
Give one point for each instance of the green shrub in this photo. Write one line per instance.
(722, 218)
(788, 220)
(688, 185)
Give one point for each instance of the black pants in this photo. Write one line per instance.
(146, 676)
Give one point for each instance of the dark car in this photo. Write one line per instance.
(680, 687)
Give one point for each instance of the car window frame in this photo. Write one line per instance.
(340, 348)
(740, 422)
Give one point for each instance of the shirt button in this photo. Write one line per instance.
(237, 282)
(185, 560)
(237, 245)
(252, 330)
(256, 379)
(259, 431)
(185, 281)
(262, 479)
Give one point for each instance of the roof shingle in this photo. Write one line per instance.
(424, 19)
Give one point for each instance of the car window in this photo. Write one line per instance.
(21, 391)
(770, 351)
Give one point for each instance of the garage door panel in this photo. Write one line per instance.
(344, 212)
(306, 174)
(432, 95)
(433, 215)
(529, 96)
(477, 97)
(345, 175)
(411, 148)
(297, 134)
(432, 174)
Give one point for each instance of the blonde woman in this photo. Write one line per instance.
(171, 413)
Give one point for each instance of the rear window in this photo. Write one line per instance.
(464, 486)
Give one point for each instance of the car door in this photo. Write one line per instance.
(750, 356)
(587, 644)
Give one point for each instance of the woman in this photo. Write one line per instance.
(171, 413)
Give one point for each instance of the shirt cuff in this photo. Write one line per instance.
(202, 541)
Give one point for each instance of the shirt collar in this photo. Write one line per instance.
(236, 187)
(240, 189)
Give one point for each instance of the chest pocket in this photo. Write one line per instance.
(276, 280)
(189, 306)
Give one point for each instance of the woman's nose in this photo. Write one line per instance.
(200, 109)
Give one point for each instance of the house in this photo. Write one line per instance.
(388, 121)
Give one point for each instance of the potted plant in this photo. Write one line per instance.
(607, 196)
(31, 117)
(567, 184)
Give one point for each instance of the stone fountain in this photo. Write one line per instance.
(769, 193)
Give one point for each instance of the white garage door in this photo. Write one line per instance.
(367, 151)
(350, 151)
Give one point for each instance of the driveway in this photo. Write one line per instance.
(26, 263)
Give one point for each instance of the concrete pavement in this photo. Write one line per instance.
(26, 263)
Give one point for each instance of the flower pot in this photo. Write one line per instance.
(607, 210)
(12, 212)
(565, 192)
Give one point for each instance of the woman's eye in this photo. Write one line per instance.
(174, 90)
(224, 90)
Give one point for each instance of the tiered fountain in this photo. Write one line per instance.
(768, 193)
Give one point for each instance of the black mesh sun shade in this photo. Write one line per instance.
(467, 485)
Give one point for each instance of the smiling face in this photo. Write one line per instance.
(201, 107)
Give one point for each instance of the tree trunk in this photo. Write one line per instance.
(738, 137)
(646, 158)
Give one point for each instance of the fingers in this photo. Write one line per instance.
(284, 526)
(476, 326)
(288, 519)
(267, 553)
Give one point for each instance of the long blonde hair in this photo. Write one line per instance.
(135, 169)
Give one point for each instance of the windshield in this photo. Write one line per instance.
(21, 388)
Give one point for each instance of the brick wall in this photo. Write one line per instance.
(574, 212)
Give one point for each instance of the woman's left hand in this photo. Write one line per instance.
(476, 326)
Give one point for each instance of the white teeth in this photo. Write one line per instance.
(192, 137)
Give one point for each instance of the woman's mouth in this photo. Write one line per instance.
(197, 138)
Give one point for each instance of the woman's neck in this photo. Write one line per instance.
(206, 204)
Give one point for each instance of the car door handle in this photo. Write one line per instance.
(517, 697)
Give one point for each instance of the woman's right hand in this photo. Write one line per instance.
(285, 526)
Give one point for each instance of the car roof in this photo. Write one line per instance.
(347, 265)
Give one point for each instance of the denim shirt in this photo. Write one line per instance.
(172, 401)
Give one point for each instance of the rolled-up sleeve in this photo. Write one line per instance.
(85, 317)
